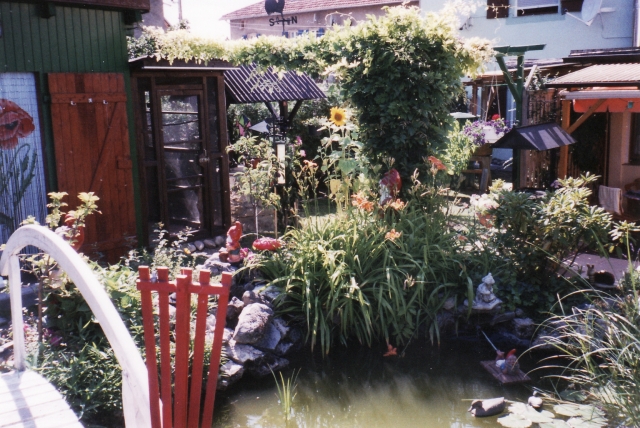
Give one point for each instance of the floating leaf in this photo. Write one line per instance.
(556, 423)
(514, 421)
(582, 410)
(529, 413)
(596, 422)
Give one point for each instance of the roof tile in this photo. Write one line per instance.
(299, 6)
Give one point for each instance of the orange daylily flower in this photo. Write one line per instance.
(392, 235)
(361, 202)
(398, 205)
(437, 163)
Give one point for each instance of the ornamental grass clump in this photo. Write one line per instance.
(599, 344)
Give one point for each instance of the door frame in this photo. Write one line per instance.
(218, 224)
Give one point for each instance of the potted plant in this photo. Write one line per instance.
(485, 133)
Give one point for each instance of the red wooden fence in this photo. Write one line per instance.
(186, 408)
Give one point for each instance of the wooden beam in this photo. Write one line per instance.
(585, 116)
(564, 150)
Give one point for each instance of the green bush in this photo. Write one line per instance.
(368, 275)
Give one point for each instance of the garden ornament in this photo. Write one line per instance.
(535, 401)
(390, 185)
(485, 299)
(232, 251)
(268, 244)
(510, 364)
(490, 407)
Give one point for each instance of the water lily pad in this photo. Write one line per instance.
(556, 423)
(514, 421)
(596, 422)
(581, 410)
(529, 413)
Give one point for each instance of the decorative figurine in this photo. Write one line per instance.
(485, 300)
(232, 252)
(390, 185)
(510, 364)
(490, 407)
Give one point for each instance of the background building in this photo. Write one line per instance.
(302, 16)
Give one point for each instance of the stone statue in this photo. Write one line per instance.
(485, 300)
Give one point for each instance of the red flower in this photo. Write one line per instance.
(14, 123)
(437, 163)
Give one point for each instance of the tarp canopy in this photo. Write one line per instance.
(545, 136)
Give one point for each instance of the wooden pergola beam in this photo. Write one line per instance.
(567, 126)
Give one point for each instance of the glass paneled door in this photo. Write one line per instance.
(185, 160)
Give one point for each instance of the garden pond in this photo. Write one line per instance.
(430, 386)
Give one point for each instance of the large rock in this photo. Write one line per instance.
(270, 293)
(230, 373)
(243, 354)
(268, 365)
(524, 327)
(252, 323)
(271, 338)
(234, 308)
(250, 296)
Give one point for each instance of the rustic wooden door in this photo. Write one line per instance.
(91, 139)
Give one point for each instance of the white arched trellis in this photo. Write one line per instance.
(135, 387)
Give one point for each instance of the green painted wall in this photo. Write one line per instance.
(74, 40)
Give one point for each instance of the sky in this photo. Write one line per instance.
(204, 15)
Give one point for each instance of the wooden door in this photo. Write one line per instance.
(91, 139)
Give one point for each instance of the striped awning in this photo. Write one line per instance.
(246, 84)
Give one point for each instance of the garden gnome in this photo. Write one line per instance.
(233, 243)
(510, 365)
(485, 299)
(390, 185)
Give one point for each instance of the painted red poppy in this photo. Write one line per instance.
(14, 123)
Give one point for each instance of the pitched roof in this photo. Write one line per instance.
(600, 75)
(299, 6)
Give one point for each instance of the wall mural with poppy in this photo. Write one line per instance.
(22, 187)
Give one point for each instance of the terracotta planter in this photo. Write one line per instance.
(483, 150)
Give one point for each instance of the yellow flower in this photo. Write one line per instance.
(338, 116)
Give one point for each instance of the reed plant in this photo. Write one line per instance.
(286, 392)
(599, 344)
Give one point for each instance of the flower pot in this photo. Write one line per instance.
(483, 150)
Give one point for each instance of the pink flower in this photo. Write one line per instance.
(298, 140)
(303, 153)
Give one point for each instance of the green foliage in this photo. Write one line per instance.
(401, 72)
(457, 154)
(599, 344)
(534, 232)
(286, 392)
(361, 276)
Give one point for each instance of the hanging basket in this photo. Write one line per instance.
(483, 150)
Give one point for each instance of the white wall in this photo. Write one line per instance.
(561, 33)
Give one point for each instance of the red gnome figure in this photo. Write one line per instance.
(390, 185)
(510, 365)
(233, 243)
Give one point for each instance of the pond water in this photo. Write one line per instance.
(357, 387)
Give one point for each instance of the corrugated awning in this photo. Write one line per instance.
(545, 136)
(615, 100)
(606, 75)
(246, 85)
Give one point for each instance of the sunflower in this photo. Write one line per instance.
(338, 116)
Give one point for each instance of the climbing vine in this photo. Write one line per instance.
(400, 72)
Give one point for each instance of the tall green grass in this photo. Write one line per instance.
(346, 280)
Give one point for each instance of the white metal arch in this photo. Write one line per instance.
(135, 387)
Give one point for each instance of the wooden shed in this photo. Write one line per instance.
(181, 123)
(65, 76)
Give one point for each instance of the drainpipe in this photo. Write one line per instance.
(636, 23)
